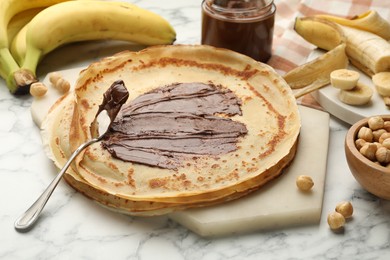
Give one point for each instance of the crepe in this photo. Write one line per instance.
(268, 111)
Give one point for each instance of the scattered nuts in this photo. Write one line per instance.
(54, 77)
(366, 134)
(62, 85)
(38, 89)
(375, 123)
(59, 82)
(345, 208)
(304, 182)
(336, 220)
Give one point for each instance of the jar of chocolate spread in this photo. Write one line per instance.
(244, 26)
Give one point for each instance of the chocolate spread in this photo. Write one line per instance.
(113, 99)
(162, 126)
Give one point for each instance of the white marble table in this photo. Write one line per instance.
(72, 227)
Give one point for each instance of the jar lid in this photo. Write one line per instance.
(238, 9)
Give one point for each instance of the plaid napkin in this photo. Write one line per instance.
(289, 49)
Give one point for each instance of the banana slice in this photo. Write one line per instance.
(344, 79)
(381, 82)
(359, 95)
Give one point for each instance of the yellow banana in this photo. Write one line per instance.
(95, 20)
(369, 21)
(8, 9)
(18, 45)
(320, 32)
(19, 21)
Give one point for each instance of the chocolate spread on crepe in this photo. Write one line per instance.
(159, 127)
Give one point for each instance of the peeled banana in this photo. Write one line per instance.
(381, 82)
(360, 95)
(344, 79)
(8, 9)
(367, 49)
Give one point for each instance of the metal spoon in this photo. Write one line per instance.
(114, 98)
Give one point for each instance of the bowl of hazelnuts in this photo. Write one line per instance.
(367, 150)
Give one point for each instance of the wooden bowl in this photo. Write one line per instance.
(371, 176)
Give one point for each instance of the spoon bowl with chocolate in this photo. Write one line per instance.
(202, 126)
(113, 99)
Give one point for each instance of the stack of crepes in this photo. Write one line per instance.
(267, 111)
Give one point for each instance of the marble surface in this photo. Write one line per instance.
(72, 227)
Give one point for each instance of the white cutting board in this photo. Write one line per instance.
(327, 97)
(277, 204)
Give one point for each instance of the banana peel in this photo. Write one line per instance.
(319, 31)
(369, 21)
(319, 69)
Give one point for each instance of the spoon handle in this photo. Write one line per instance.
(28, 218)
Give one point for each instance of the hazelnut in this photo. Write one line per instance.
(368, 150)
(377, 134)
(38, 89)
(345, 208)
(336, 220)
(378, 145)
(375, 123)
(304, 182)
(383, 137)
(59, 82)
(359, 143)
(386, 143)
(382, 155)
(366, 134)
(386, 126)
(54, 77)
(62, 85)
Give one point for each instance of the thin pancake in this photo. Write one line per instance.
(269, 112)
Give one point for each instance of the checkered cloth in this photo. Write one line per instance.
(289, 49)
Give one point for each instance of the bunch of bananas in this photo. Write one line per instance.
(29, 29)
(362, 40)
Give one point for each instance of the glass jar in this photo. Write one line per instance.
(244, 26)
